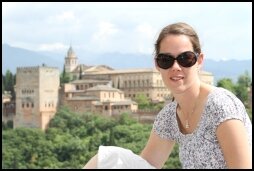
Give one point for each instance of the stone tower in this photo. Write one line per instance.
(36, 96)
(71, 61)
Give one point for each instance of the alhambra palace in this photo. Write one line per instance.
(97, 89)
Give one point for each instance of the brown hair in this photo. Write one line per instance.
(179, 29)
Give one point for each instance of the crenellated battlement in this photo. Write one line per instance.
(27, 69)
(36, 69)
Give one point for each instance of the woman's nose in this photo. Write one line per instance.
(175, 66)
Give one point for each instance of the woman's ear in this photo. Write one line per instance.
(200, 60)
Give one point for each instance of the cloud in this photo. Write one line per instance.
(53, 47)
(224, 28)
(65, 17)
(146, 30)
(8, 8)
(145, 38)
(102, 37)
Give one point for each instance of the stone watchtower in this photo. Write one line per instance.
(71, 61)
(36, 96)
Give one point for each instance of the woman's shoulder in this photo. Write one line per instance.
(223, 104)
(222, 96)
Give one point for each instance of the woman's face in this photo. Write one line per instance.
(178, 78)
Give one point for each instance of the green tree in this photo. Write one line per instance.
(72, 139)
(243, 83)
(242, 93)
(173, 161)
(244, 79)
(227, 83)
(8, 81)
(142, 101)
(80, 73)
(3, 85)
(249, 111)
(64, 77)
(24, 148)
(125, 119)
(13, 94)
(9, 124)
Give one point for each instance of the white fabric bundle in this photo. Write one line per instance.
(112, 157)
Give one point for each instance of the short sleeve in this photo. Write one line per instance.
(225, 106)
(164, 123)
(228, 106)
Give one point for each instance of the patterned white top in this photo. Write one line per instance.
(201, 149)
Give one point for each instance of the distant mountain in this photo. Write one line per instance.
(220, 69)
(228, 69)
(123, 61)
(14, 57)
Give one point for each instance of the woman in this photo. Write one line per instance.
(209, 123)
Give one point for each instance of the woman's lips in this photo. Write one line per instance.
(176, 78)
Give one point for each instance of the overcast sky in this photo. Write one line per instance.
(225, 29)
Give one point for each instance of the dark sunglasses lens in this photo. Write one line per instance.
(164, 61)
(187, 59)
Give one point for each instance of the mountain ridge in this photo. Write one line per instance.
(23, 57)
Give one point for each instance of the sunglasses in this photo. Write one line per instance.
(185, 59)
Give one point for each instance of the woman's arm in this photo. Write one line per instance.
(157, 150)
(233, 140)
(92, 163)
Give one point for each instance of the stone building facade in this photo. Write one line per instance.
(36, 96)
(131, 81)
(134, 81)
(96, 96)
(140, 81)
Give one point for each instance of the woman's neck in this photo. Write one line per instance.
(189, 98)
